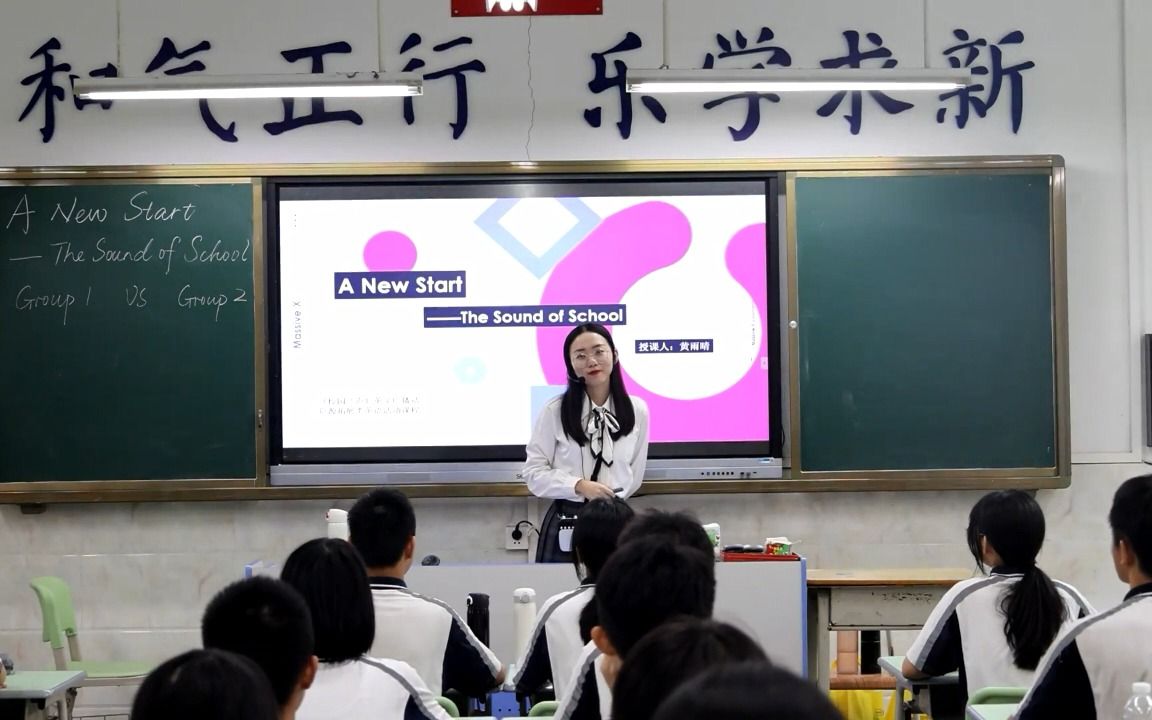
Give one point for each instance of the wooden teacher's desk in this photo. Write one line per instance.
(869, 600)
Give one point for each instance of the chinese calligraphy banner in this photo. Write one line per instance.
(512, 8)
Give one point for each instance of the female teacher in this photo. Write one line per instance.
(590, 442)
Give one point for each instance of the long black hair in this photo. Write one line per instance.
(572, 406)
(1013, 524)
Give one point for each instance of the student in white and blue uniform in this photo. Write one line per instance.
(1090, 670)
(556, 641)
(994, 630)
(349, 684)
(417, 629)
(589, 442)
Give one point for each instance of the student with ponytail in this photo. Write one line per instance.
(994, 630)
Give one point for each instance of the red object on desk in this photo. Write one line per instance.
(757, 557)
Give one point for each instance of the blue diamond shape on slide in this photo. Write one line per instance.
(538, 265)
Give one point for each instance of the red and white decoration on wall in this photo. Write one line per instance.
(514, 8)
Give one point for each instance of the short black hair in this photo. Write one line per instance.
(648, 581)
(1131, 518)
(747, 691)
(596, 533)
(681, 528)
(332, 579)
(379, 526)
(671, 655)
(266, 620)
(206, 684)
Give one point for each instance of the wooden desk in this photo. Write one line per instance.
(869, 600)
(38, 689)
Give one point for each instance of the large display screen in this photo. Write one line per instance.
(427, 322)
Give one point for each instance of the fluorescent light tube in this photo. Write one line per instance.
(213, 87)
(785, 80)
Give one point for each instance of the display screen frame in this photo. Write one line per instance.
(517, 185)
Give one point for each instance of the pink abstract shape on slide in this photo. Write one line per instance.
(389, 251)
(617, 254)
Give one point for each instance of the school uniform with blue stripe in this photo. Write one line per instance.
(1089, 671)
(430, 636)
(965, 633)
(555, 644)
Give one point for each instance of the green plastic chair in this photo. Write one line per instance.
(60, 623)
(449, 706)
(547, 708)
(998, 696)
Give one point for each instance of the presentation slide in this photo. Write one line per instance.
(417, 322)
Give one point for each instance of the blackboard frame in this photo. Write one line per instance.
(114, 489)
(35, 495)
(1057, 476)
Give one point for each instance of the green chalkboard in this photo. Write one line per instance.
(126, 332)
(926, 321)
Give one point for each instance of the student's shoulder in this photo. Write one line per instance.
(639, 406)
(1130, 616)
(394, 671)
(415, 601)
(1071, 593)
(562, 598)
(965, 588)
(1101, 630)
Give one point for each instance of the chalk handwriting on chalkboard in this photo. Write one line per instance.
(115, 237)
(191, 299)
(29, 298)
(135, 296)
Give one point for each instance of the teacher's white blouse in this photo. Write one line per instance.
(555, 462)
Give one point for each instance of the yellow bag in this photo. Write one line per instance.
(863, 704)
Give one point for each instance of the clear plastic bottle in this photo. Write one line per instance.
(1140, 704)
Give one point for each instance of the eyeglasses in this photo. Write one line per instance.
(600, 354)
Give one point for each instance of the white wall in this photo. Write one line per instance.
(142, 573)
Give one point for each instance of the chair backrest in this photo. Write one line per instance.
(546, 708)
(449, 706)
(998, 696)
(58, 615)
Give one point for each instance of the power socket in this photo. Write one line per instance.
(510, 543)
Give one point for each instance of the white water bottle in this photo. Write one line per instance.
(523, 618)
(337, 523)
(1139, 705)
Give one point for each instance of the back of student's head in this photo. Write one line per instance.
(331, 577)
(1012, 523)
(669, 656)
(380, 525)
(596, 533)
(1131, 519)
(680, 528)
(206, 684)
(648, 581)
(266, 620)
(747, 691)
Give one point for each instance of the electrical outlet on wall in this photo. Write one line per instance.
(511, 542)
